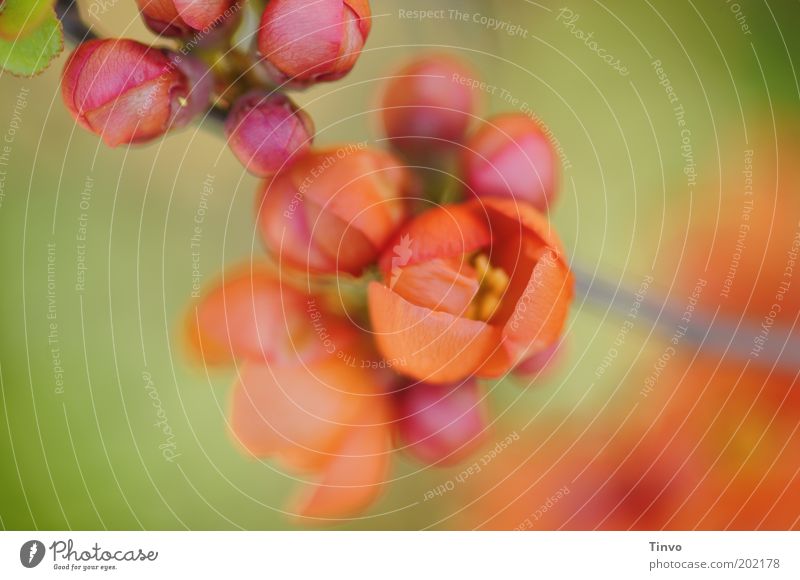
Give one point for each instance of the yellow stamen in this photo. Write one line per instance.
(482, 266)
(488, 306)
(497, 280)
(493, 284)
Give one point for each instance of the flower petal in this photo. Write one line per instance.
(540, 313)
(202, 14)
(251, 315)
(300, 38)
(113, 68)
(536, 303)
(446, 285)
(284, 226)
(443, 232)
(302, 412)
(529, 218)
(430, 346)
(426, 108)
(363, 13)
(139, 114)
(363, 188)
(355, 476)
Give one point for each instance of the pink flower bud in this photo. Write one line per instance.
(510, 156)
(126, 92)
(266, 130)
(441, 424)
(183, 17)
(428, 104)
(306, 42)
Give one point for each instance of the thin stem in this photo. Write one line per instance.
(720, 334)
(75, 30)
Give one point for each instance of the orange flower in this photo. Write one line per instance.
(471, 289)
(335, 209)
(328, 419)
(253, 316)
(302, 396)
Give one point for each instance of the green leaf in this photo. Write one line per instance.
(21, 17)
(33, 53)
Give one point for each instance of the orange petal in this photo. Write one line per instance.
(363, 12)
(446, 285)
(344, 245)
(355, 476)
(430, 346)
(362, 187)
(538, 316)
(253, 316)
(351, 45)
(201, 15)
(541, 312)
(529, 218)
(297, 412)
(335, 209)
(536, 303)
(443, 232)
(283, 222)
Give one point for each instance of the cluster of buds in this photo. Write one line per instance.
(380, 310)
(127, 92)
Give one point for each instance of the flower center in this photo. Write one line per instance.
(493, 284)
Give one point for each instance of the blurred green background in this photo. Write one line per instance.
(88, 453)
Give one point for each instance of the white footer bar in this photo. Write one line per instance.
(406, 555)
